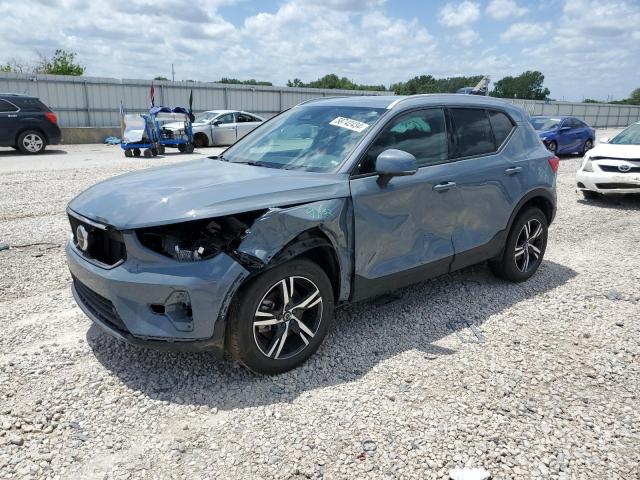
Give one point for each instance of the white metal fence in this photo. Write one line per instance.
(95, 102)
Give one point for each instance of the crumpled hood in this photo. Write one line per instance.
(610, 150)
(202, 188)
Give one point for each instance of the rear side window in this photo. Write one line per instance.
(421, 133)
(7, 107)
(501, 126)
(31, 105)
(473, 132)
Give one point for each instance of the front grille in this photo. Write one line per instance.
(102, 308)
(614, 186)
(106, 246)
(614, 168)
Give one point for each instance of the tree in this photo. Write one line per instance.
(161, 78)
(332, 81)
(16, 65)
(62, 63)
(634, 99)
(527, 85)
(251, 81)
(430, 84)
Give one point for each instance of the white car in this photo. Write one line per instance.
(219, 127)
(613, 166)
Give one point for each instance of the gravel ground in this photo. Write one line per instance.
(402, 387)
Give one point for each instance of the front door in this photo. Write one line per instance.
(224, 130)
(404, 229)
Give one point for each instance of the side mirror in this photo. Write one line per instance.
(216, 123)
(604, 140)
(564, 129)
(394, 163)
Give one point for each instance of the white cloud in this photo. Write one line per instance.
(524, 32)
(459, 15)
(467, 37)
(503, 9)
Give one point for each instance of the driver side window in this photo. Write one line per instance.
(421, 133)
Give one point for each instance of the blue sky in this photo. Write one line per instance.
(585, 48)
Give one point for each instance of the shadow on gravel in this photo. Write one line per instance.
(363, 335)
(616, 202)
(12, 153)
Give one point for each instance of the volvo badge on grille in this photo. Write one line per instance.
(82, 238)
(624, 168)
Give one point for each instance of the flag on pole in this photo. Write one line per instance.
(152, 94)
(123, 112)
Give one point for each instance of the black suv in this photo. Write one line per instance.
(26, 123)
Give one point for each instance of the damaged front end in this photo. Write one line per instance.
(203, 239)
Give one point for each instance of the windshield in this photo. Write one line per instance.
(206, 116)
(541, 123)
(310, 138)
(629, 136)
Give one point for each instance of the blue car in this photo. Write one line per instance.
(332, 201)
(563, 135)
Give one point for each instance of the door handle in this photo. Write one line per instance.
(444, 186)
(513, 170)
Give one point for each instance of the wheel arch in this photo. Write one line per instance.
(21, 130)
(539, 198)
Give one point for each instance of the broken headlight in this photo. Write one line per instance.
(198, 239)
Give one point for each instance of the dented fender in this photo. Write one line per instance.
(278, 227)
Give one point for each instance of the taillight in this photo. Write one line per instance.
(51, 117)
(554, 163)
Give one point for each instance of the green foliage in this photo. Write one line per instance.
(161, 78)
(528, 85)
(430, 84)
(332, 81)
(62, 63)
(251, 81)
(634, 99)
(591, 100)
(5, 68)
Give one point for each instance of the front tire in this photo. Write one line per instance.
(280, 317)
(525, 247)
(200, 140)
(31, 142)
(552, 146)
(588, 145)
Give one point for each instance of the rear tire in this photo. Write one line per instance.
(31, 142)
(552, 147)
(136, 152)
(128, 153)
(260, 317)
(189, 148)
(525, 247)
(588, 145)
(147, 153)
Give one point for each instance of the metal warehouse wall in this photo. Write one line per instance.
(95, 102)
(595, 114)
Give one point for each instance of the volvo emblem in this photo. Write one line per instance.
(82, 238)
(624, 168)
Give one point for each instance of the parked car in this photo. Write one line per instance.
(613, 166)
(563, 135)
(334, 200)
(26, 123)
(220, 127)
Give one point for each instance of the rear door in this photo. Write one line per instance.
(8, 122)
(404, 229)
(245, 123)
(490, 169)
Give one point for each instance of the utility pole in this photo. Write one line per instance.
(173, 74)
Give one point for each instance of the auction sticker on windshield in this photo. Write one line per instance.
(349, 124)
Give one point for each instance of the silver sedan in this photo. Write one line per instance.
(220, 127)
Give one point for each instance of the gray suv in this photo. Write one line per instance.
(335, 200)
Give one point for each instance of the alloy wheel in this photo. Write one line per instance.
(32, 143)
(529, 245)
(287, 318)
